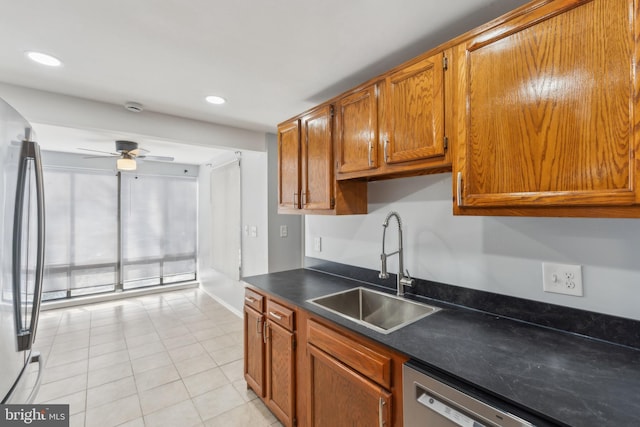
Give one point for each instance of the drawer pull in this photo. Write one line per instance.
(381, 404)
(275, 315)
(249, 300)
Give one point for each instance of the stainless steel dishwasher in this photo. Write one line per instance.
(429, 402)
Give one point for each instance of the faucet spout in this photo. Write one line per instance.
(402, 280)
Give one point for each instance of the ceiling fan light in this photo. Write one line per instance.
(126, 164)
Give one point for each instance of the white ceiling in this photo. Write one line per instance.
(271, 59)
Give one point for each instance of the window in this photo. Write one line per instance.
(81, 232)
(159, 226)
(157, 231)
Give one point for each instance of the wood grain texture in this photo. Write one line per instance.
(281, 373)
(357, 131)
(278, 313)
(413, 102)
(254, 351)
(342, 397)
(254, 300)
(317, 159)
(397, 361)
(545, 108)
(289, 164)
(373, 365)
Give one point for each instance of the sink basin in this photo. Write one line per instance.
(376, 310)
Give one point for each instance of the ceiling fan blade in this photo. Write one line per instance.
(96, 157)
(157, 158)
(98, 151)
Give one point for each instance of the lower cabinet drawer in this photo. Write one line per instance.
(365, 360)
(277, 313)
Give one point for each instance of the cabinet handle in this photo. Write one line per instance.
(386, 151)
(249, 300)
(304, 198)
(275, 315)
(370, 149)
(459, 190)
(264, 332)
(258, 327)
(381, 404)
(295, 196)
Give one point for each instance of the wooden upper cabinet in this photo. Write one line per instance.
(289, 165)
(306, 178)
(317, 159)
(545, 109)
(412, 111)
(357, 131)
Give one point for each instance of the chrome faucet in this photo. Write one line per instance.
(402, 279)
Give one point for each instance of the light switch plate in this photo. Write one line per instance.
(317, 244)
(562, 278)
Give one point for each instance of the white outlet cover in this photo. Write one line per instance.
(317, 244)
(284, 231)
(562, 279)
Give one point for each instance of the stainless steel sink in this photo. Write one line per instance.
(376, 310)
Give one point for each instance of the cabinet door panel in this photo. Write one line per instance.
(357, 125)
(414, 112)
(549, 109)
(289, 165)
(317, 160)
(280, 373)
(342, 397)
(253, 350)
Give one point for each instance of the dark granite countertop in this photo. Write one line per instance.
(569, 378)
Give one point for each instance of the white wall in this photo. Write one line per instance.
(255, 253)
(255, 250)
(285, 253)
(496, 254)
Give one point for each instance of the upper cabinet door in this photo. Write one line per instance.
(317, 159)
(357, 131)
(412, 104)
(289, 165)
(544, 109)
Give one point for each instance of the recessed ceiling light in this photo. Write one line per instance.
(44, 59)
(213, 99)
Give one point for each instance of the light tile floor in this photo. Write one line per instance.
(170, 359)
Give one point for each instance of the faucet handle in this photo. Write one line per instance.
(406, 280)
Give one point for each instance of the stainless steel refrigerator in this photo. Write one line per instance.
(21, 257)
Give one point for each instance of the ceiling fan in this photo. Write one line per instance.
(127, 152)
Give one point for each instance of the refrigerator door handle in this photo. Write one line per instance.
(37, 293)
(29, 151)
(22, 335)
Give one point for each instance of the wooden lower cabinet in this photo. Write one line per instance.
(280, 373)
(253, 350)
(341, 396)
(335, 377)
(269, 354)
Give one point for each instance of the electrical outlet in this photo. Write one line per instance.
(284, 232)
(317, 244)
(562, 278)
(254, 231)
